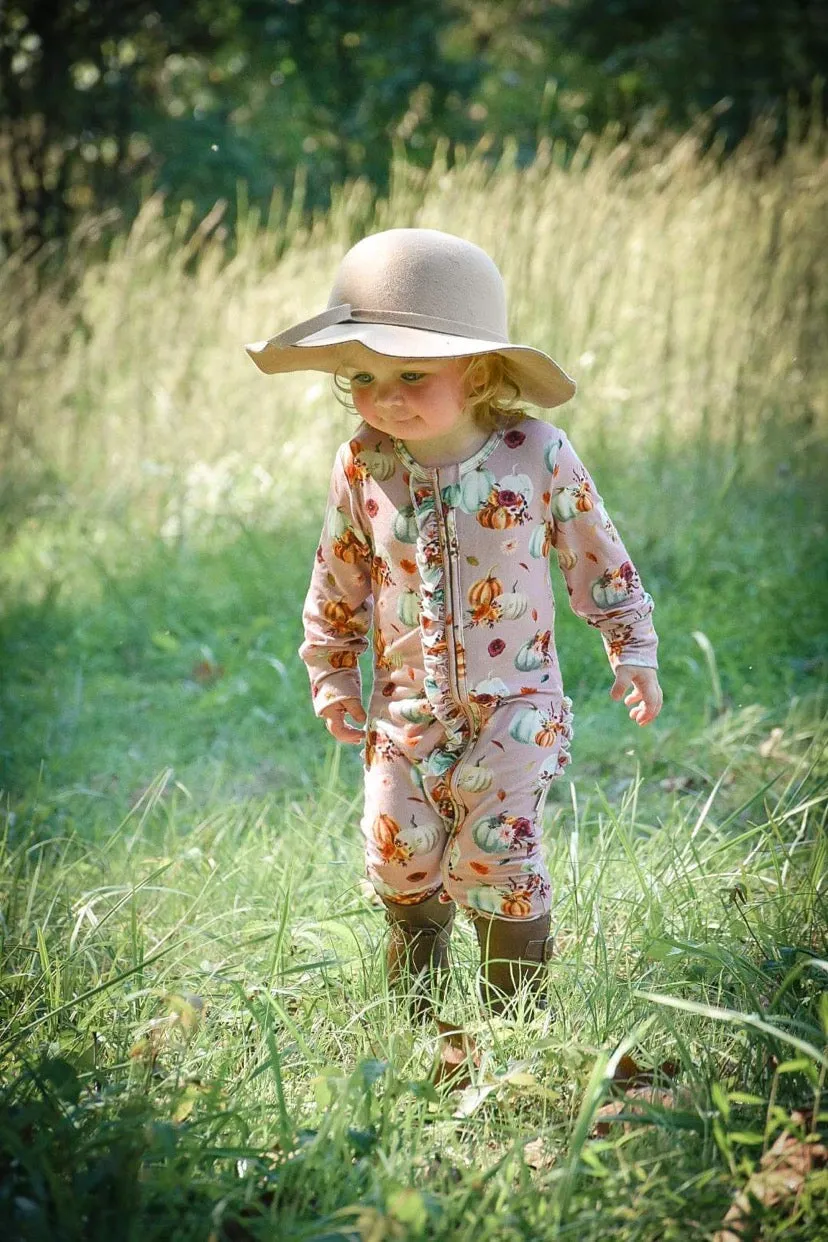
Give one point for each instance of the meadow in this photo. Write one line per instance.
(197, 1038)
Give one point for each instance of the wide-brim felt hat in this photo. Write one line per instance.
(414, 293)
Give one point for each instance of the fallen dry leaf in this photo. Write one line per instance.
(662, 1097)
(456, 1054)
(781, 1175)
(206, 671)
(538, 1155)
(677, 784)
(628, 1073)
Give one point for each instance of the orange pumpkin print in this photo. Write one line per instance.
(548, 735)
(516, 905)
(340, 616)
(485, 590)
(348, 548)
(385, 831)
(342, 659)
(619, 637)
(380, 571)
(486, 614)
(583, 494)
(503, 508)
(441, 795)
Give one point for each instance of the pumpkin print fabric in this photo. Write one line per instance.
(447, 569)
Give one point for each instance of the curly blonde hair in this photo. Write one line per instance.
(491, 387)
(493, 392)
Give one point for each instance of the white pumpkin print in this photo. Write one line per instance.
(475, 779)
(379, 465)
(540, 541)
(525, 724)
(512, 605)
(520, 483)
(486, 899)
(529, 657)
(405, 525)
(614, 586)
(419, 838)
(474, 490)
(550, 454)
(408, 608)
(494, 686)
(492, 836)
(337, 523)
(438, 762)
(564, 503)
(415, 711)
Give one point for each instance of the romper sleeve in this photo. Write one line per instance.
(603, 584)
(338, 607)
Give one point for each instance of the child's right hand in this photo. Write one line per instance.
(334, 717)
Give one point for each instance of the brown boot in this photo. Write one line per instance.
(513, 953)
(417, 956)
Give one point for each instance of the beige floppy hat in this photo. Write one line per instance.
(414, 293)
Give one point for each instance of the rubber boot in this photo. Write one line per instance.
(417, 955)
(513, 955)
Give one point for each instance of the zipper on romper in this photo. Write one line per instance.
(467, 708)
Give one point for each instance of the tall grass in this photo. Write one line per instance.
(687, 296)
(197, 1037)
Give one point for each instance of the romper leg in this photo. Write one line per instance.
(494, 865)
(404, 835)
(405, 838)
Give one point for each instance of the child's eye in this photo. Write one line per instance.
(412, 377)
(362, 379)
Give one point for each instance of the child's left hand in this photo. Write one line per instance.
(645, 699)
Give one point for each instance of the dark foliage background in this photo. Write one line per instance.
(100, 101)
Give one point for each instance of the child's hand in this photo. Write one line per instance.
(334, 717)
(645, 697)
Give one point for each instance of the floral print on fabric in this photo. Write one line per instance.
(447, 570)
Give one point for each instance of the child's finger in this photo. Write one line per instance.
(344, 732)
(646, 712)
(618, 687)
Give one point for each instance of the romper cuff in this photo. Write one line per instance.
(335, 689)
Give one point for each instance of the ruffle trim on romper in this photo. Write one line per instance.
(433, 631)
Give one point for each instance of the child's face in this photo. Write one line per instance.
(410, 398)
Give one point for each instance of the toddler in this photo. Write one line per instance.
(443, 510)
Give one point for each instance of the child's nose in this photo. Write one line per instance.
(389, 393)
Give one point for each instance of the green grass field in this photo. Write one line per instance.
(197, 1038)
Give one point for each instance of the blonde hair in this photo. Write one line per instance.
(493, 392)
(491, 387)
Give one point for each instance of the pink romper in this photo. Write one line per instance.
(467, 724)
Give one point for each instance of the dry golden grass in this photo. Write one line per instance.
(687, 296)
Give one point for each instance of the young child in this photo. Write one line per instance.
(442, 513)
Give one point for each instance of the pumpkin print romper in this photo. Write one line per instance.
(467, 722)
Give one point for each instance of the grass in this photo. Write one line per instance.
(197, 1039)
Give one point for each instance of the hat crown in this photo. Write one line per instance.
(423, 272)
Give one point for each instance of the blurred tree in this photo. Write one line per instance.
(198, 97)
(102, 99)
(737, 59)
(71, 78)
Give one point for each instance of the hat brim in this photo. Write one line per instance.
(542, 382)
